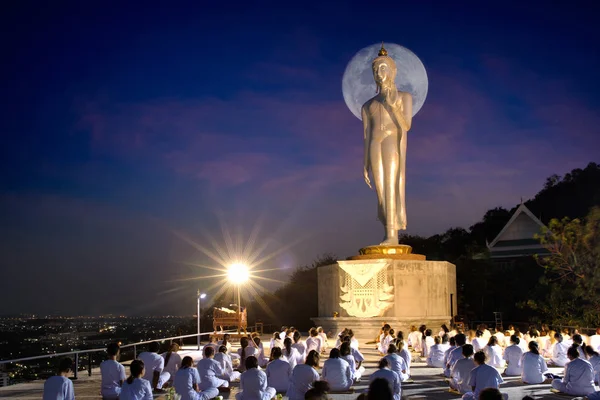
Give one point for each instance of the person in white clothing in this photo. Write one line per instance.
(357, 355)
(493, 353)
(113, 374)
(478, 342)
(579, 375)
(323, 338)
(396, 363)
(154, 366)
(534, 365)
(247, 348)
(405, 354)
(282, 334)
(186, 382)
(414, 339)
(461, 371)
(447, 352)
(337, 372)
(384, 340)
(313, 342)
(263, 360)
(212, 342)
(428, 343)
(300, 346)
(135, 387)
(455, 354)
(346, 354)
(60, 387)
(390, 376)
(595, 340)
(253, 383)
(594, 359)
(578, 340)
(278, 371)
(513, 355)
(225, 342)
(172, 360)
(482, 377)
(437, 352)
(226, 363)
(303, 376)
(210, 371)
(291, 354)
(559, 353)
(276, 341)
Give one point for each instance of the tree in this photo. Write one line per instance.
(571, 279)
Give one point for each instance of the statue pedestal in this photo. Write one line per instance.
(367, 293)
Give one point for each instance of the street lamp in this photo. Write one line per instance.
(238, 274)
(200, 297)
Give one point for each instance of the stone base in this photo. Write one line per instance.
(365, 294)
(367, 329)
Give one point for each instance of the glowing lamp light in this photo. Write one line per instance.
(238, 273)
(203, 296)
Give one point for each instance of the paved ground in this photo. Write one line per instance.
(429, 384)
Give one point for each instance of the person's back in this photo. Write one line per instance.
(60, 387)
(301, 380)
(578, 379)
(436, 355)
(253, 383)
(278, 374)
(484, 376)
(513, 355)
(172, 361)
(113, 374)
(398, 365)
(136, 389)
(461, 372)
(559, 354)
(154, 366)
(534, 367)
(391, 377)
(494, 356)
(336, 371)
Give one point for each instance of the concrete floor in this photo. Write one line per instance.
(428, 384)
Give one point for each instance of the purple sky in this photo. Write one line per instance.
(122, 126)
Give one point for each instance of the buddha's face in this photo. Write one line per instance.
(381, 73)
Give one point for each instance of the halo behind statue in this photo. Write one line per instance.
(358, 85)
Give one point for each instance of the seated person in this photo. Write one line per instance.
(136, 387)
(154, 366)
(482, 377)
(579, 375)
(253, 383)
(392, 379)
(436, 353)
(278, 371)
(60, 387)
(533, 365)
(461, 371)
(396, 363)
(513, 355)
(113, 374)
(210, 371)
(303, 376)
(336, 371)
(186, 382)
(226, 363)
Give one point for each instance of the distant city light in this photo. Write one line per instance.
(238, 273)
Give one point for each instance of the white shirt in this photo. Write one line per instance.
(461, 372)
(392, 378)
(595, 361)
(559, 354)
(276, 343)
(398, 365)
(483, 377)
(414, 339)
(358, 356)
(534, 367)
(152, 362)
(478, 344)
(58, 387)
(225, 361)
(354, 343)
(352, 363)
(253, 384)
(184, 382)
(174, 363)
(210, 373)
(384, 343)
(337, 372)
(293, 358)
(595, 342)
(249, 351)
(301, 347)
(301, 380)
(405, 354)
(112, 374)
(278, 374)
(494, 356)
(436, 355)
(313, 343)
(513, 355)
(427, 346)
(579, 377)
(454, 356)
(138, 390)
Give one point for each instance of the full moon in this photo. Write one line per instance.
(359, 86)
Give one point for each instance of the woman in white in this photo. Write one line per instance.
(300, 346)
(346, 354)
(548, 350)
(263, 360)
(513, 355)
(186, 382)
(291, 354)
(247, 348)
(414, 339)
(579, 376)
(428, 343)
(323, 337)
(482, 377)
(210, 371)
(113, 373)
(136, 387)
(494, 353)
(534, 365)
(313, 342)
(384, 340)
(253, 383)
(226, 363)
(278, 371)
(436, 353)
(276, 341)
(390, 376)
(404, 353)
(303, 376)
(478, 342)
(172, 360)
(396, 363)
(594, 359)
(461, 371)
(337, 372)
(559, 353)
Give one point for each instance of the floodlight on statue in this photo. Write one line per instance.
(238, 273)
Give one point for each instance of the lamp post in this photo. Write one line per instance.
(238, 274)
(200, 297)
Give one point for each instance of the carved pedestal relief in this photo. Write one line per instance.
(365, 290)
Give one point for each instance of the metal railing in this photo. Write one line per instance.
(78, 353)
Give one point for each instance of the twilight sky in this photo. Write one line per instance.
(126, 130)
